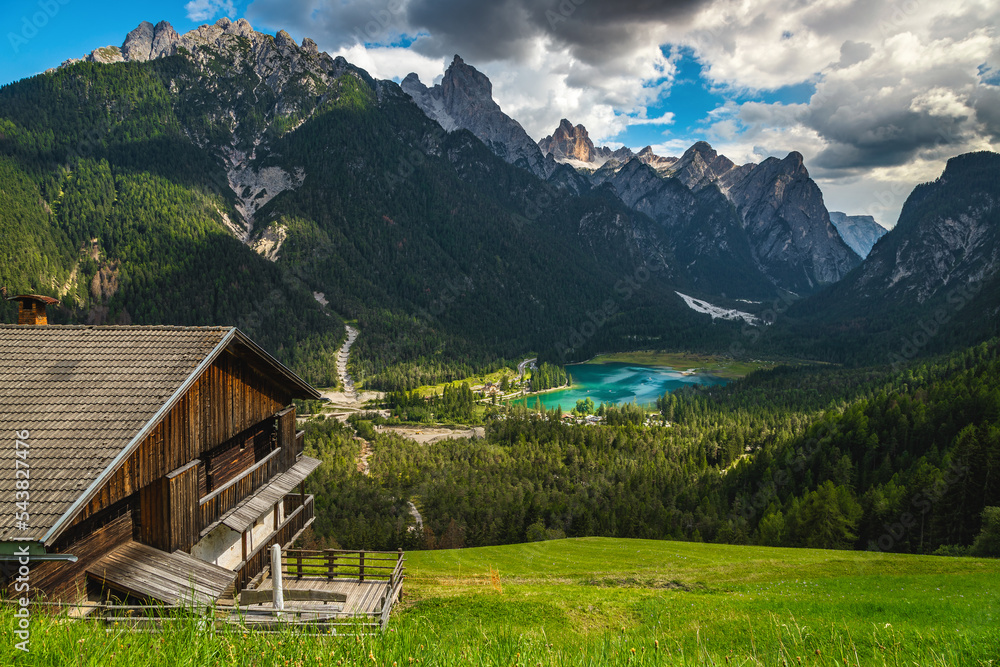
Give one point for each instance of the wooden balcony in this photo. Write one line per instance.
(369, 581)
(221, 500)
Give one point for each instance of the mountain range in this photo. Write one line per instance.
(231, 175)
(775, 205)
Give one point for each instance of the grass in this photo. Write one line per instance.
(598, 601)
(715, 365)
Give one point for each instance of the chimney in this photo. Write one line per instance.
(31, 309)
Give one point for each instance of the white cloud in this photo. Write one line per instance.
(206, 10)
(393, 62)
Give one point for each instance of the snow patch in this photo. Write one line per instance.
(715, 311)
(438, 113)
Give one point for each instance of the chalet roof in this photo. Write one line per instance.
(88, 396)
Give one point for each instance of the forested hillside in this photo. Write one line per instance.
(109, 207)
(930, 285)
(819, 457)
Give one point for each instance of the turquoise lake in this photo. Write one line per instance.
(618, 383)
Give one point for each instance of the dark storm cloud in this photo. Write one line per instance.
(479, 30)
(333, 24)
(593, 29)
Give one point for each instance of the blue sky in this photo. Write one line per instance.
(876, 96)
(692, 97)
(71, 29)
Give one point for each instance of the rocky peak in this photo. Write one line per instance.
(149, 42)
(284, 40)
(572, 145)
(789, 227)
(569, 143)
(947, 237)
(226, 55)
(701, 165)
(464, 100)
(860, 232)
(661, 164)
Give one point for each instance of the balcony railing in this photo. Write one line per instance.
(221, 500)
(382, 569)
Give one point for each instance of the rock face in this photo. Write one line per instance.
(779, 211)
(701, 166)
(701, 230)
(773, 209)
(860, 232)
(573, 146)
(657, 162)
(298, 79)
(464, 100)
(569, 143)
(149, 42)
(947, 237)
(789, 227)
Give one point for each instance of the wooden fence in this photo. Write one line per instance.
(339, 564)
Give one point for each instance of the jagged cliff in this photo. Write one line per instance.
(464, 99)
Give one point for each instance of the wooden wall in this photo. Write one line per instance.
(67, 582)
(286, 437)
(168, 517)
(228, 398)
(236, 455)
(184, 519)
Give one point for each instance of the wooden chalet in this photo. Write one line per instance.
(161, 462)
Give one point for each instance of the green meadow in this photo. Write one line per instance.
(599, 601)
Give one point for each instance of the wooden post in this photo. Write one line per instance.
(361, 566)
(244, 541)
(399, 557)
(331, 563)
(300, 558)
(276, 592)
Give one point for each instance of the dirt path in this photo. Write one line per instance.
(416, 517)
(366, 451)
